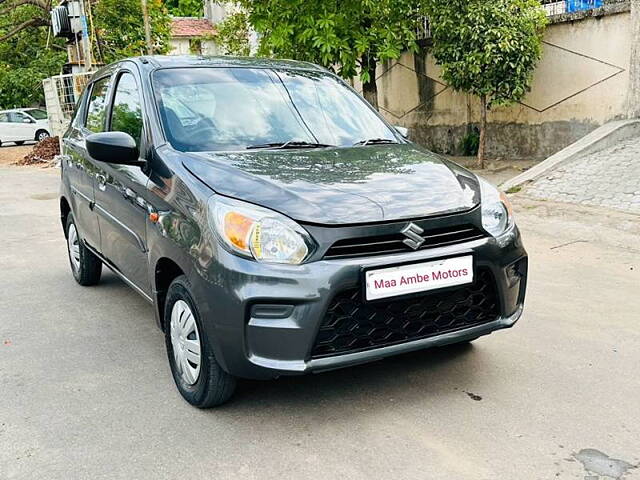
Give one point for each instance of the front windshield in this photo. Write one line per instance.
(205, 109)
(37, 114)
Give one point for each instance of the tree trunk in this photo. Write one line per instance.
(370, 88)
(633, 100)
(483, 132)
(147, 27)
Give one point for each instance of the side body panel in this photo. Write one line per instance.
(79, 173)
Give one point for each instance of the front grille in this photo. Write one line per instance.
(352, 325)
(386, 244)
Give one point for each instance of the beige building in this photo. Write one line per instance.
(580, 83)
(192, 36)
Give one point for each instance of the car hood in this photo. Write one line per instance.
(341, 185)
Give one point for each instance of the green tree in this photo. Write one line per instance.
(185, 8)
(487, 49)
(27, 55)
(120, 29)
(233, 34)
(351, 37)
(19, 15)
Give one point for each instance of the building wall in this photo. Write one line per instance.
(580, 83)
(181, 46)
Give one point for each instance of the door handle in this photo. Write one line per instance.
(102, 181)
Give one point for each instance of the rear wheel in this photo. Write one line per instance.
(41, 135)
(85, 266)
(199, 378)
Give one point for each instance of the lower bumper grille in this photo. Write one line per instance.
(352, 325)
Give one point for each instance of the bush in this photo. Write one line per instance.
(471, 142)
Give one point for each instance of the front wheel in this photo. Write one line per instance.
(41, 135)
(199, 378)
(85, 266)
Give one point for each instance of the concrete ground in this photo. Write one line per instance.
(86, 392)
(608, 178)
(10, 153)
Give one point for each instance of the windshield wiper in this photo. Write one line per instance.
(289, 144)
(375, 141)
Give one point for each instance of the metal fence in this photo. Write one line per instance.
(552, 7)
(61, 94)
(555, 7)
(424, 29)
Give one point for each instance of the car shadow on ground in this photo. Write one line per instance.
(404, 378)
(408, 378)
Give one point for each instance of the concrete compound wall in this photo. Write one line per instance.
(580, 84)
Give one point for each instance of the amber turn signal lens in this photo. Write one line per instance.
(154, 217)
(237, 229)
(507, 203)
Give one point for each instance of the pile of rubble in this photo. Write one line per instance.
(43, 153)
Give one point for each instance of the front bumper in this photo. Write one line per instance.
(262, 320)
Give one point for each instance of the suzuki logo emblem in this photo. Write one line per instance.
(413, 233)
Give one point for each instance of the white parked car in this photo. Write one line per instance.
(23, 124)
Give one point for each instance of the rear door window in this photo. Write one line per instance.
(17, 117)
(97, 109)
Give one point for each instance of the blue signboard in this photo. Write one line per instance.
(576, 5)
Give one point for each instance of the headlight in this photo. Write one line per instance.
(258, 233)
(497, 214)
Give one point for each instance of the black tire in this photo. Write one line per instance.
(213, 386)
(41, 135)
(20, 143)
(90, 267)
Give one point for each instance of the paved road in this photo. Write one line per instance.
(86, 393)
(609, 178)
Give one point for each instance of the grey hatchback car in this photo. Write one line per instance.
(277, 223)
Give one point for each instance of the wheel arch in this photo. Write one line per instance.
(65, 210)
(35, 137)
(165, 271)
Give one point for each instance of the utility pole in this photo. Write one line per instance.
(86, 39)
(147, 27)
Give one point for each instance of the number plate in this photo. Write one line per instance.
(418, 277)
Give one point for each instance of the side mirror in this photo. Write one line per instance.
(404, 131)
(27, 120)
(118, 148)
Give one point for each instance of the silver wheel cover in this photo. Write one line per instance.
(185, 342)
(73, 244)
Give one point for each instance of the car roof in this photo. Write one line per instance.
(185, 61)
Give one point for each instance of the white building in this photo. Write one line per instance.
(192, 35)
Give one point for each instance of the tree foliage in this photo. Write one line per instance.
(185, 8)
(29, 53)
(487, 49)
(233, 34)
(26, 59)
(13, 19)
(120, 28)
(351, 37)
